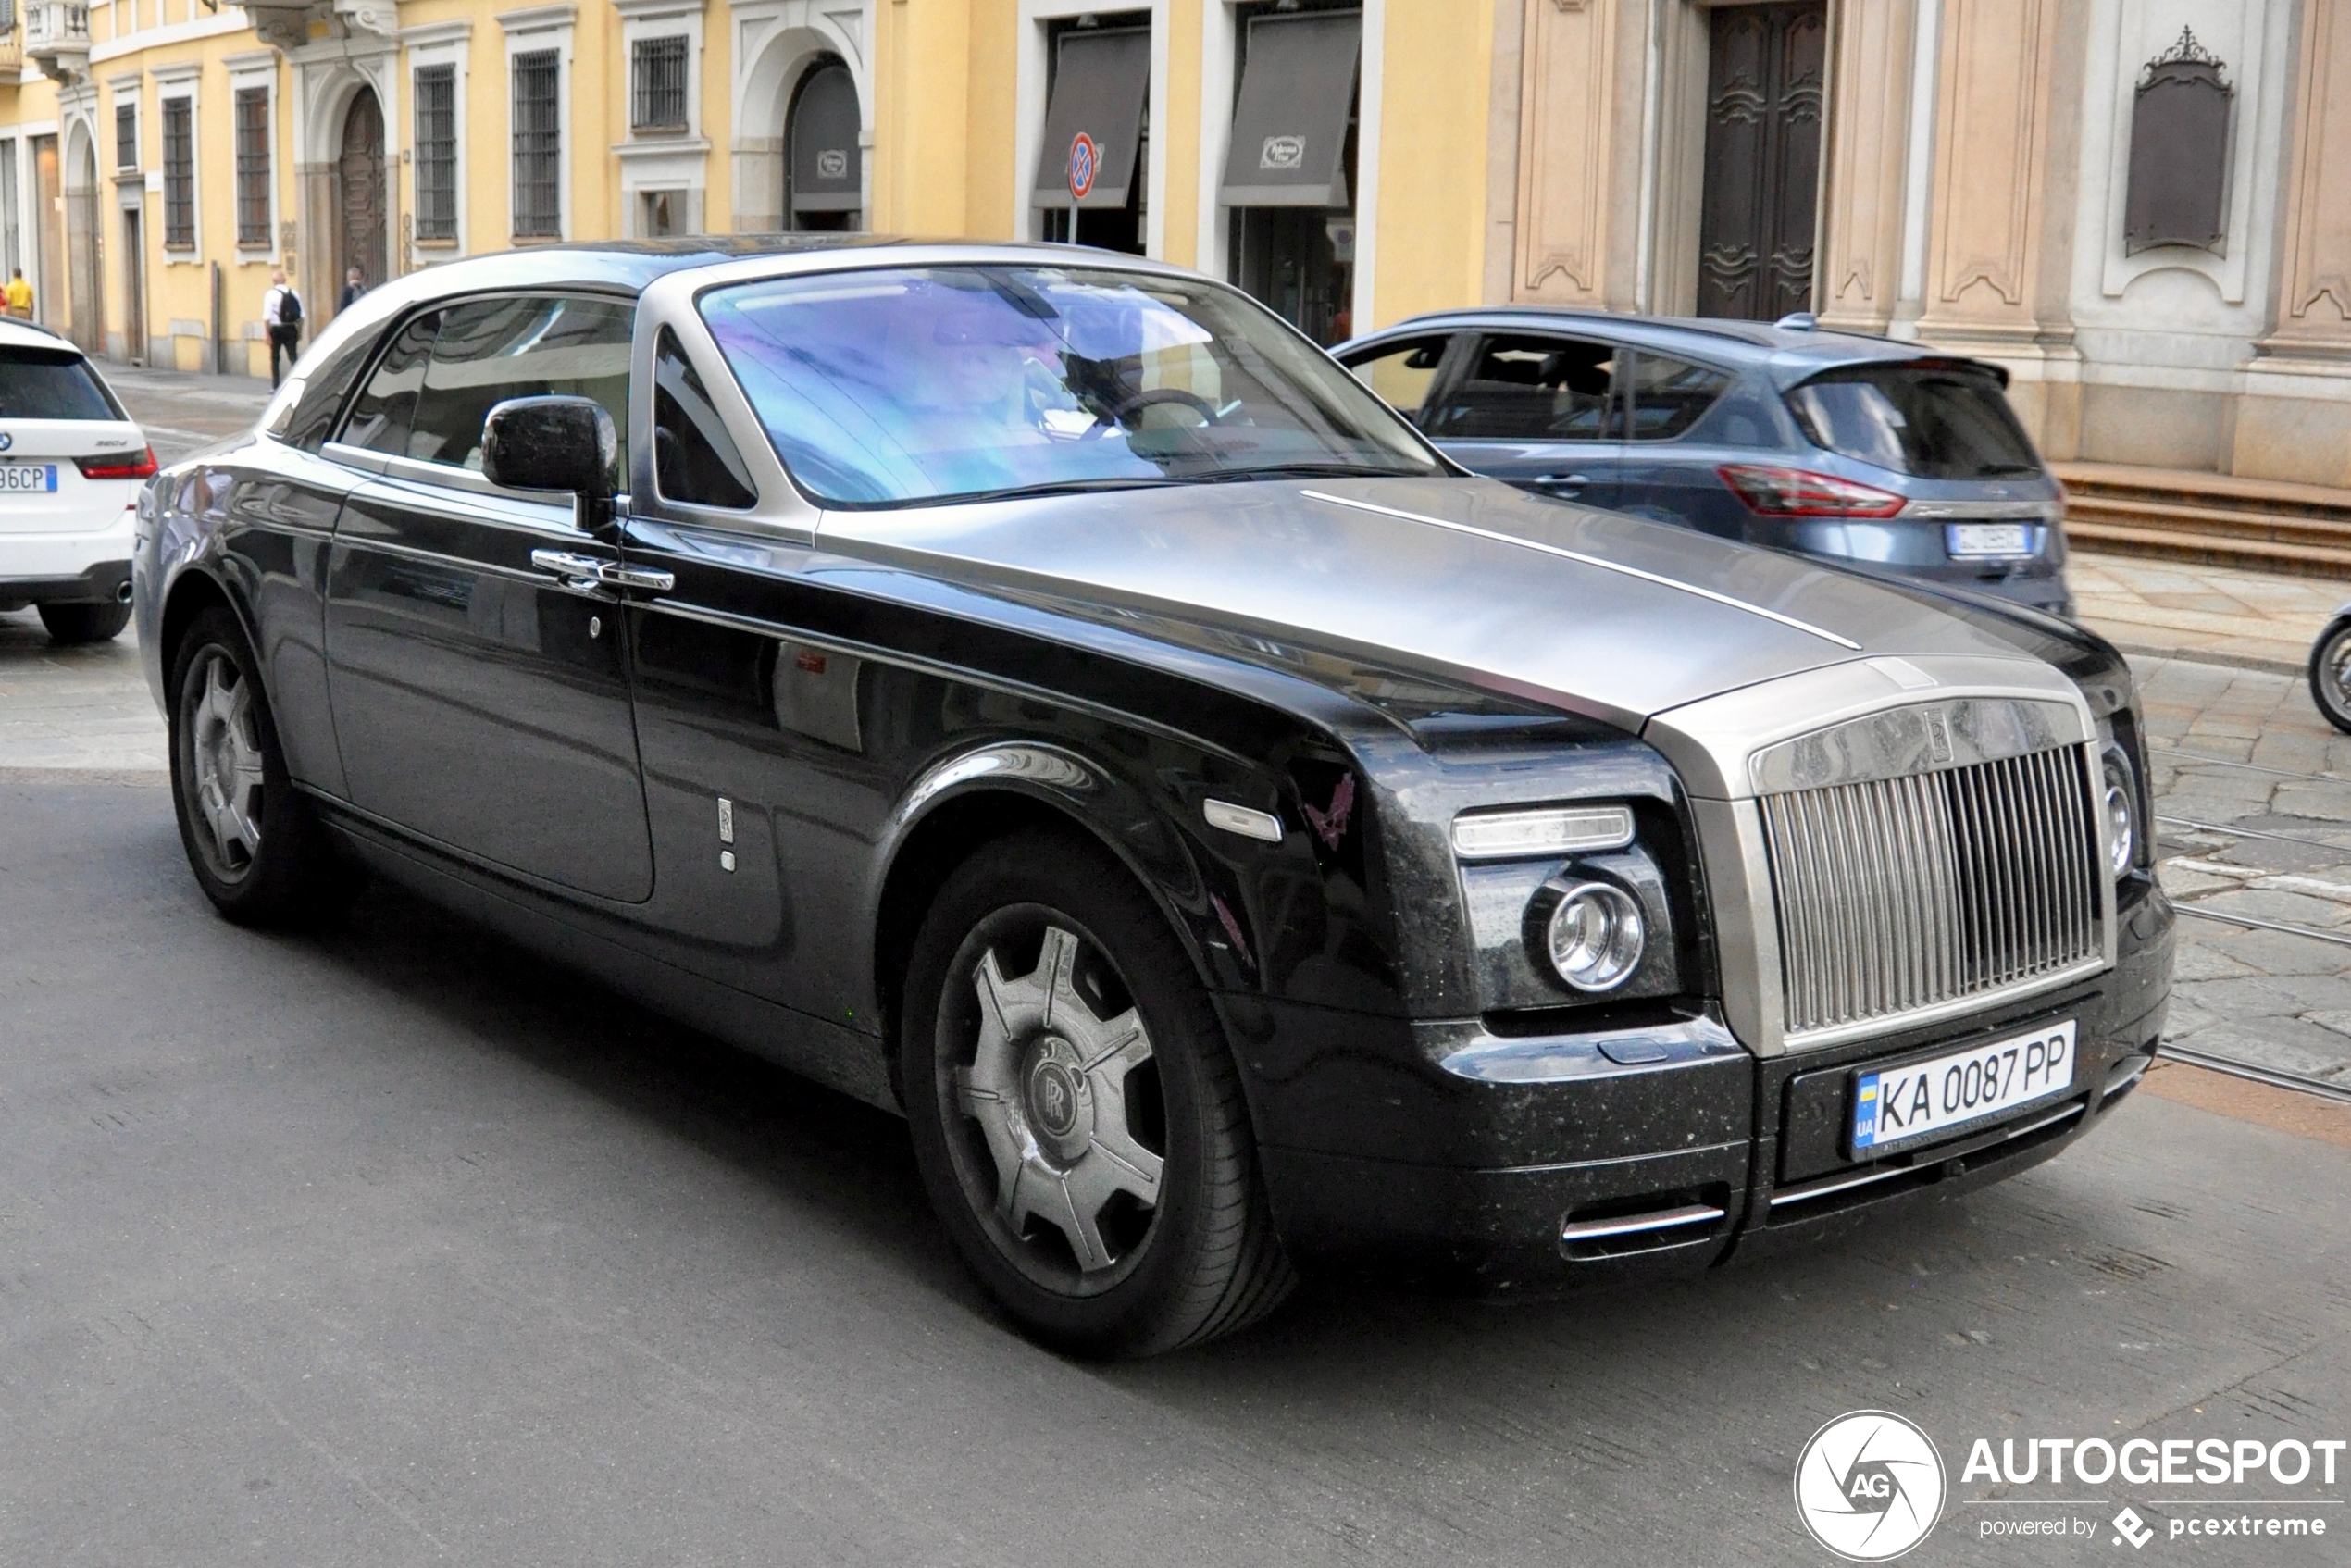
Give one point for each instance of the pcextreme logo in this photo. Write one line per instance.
(1869, 1486)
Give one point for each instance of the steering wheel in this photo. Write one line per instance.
(1152, 397)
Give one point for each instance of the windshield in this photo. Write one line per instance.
(1936, 422)
(43, 384)
(918, 384)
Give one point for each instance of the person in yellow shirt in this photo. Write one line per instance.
(19, 294)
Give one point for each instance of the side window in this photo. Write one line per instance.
(319, 398)
(1531, 389)
(380, 417)
(694, 459)
(490, 350)
(1401, 374)
(1670, 395)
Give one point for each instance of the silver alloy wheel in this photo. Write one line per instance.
(224, 758)
(1048, 1087)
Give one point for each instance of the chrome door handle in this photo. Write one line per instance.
(1564, 481)
(587, 571)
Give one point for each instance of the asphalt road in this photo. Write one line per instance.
(387, 1244)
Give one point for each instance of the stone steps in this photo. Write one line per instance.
(2208, 520)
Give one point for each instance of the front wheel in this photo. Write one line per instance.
(1076, 1110)
(257, 850)
(2330, 673)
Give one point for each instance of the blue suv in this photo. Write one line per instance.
(1880, 456)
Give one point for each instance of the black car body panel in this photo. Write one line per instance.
(732, 798)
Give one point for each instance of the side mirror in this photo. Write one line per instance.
(554, 443)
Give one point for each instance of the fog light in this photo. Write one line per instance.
(2122, 815)
(1595, 936)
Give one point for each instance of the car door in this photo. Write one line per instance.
(1681, 428)
(478, 674)
(1536, 409)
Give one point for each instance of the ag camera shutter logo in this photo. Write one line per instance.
(1869, 1486)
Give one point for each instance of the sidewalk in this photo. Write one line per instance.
(2217, 614)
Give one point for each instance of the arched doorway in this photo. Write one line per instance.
(362, 213)
(824, 169)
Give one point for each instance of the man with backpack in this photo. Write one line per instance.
(282, 317)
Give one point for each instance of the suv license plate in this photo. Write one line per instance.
(1974, 541)
(27, 476)
(1893, 1106)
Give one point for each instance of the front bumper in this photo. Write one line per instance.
(1449, 1153)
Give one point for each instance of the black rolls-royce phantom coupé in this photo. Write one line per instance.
(1039, 691)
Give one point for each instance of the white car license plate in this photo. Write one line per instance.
(1971, 541)
(1899, 1105)
(27, 476)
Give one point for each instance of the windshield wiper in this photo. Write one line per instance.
(1058, 487)
(1307, 471)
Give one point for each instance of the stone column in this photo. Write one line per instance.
(2007, 141)
(2295, 419)
(1860, 275)
(1579, 153)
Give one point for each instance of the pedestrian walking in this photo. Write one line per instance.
(355, 283)
(281, 317)
(19, 294)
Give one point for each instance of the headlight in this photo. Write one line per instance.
(2120, 799)
(1501, 835)
(1595, 936)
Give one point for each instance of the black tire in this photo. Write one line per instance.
(2330, 673)
(275, 866)
(84, 623)
(1199, 1261)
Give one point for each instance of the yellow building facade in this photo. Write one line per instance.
(2141, 207)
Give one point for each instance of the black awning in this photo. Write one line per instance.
(1289, 127)
(827, 173)
(1095, 120)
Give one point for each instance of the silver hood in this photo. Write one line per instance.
(1469, 579)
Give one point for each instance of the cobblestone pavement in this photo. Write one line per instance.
(2246, 749)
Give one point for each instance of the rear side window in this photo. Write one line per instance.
(1402, 373)
(1936, 422)
(380, 417)
(491, 349)
(38, 384)
(1531, 389)
(1670, 395)
(694, 459)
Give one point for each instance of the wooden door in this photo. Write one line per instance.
(1766, 88)
(134, 288)
(359, 199)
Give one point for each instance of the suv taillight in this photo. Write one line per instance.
(1798, 492)
(119, 464)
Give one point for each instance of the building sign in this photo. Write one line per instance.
(1282, 153)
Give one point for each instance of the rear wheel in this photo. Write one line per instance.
(84, 623)
(2330, 673)
(1076, 1110)
(257, 849)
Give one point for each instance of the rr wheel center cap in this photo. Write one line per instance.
(1059, 1101)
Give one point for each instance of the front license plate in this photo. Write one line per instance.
(27, 476)
(1974, 541)
(1893, 1106)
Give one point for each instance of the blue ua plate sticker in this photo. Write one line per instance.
(1899, 1104)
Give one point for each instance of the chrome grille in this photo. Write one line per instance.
(1897, 895)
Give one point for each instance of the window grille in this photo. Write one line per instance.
(658, 102)
(437, 153)
(538, 148)
(179, 175)
(253, 167)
